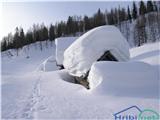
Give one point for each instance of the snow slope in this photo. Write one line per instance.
(29, 58)
(88, 48)
(152, 29)
(31, 92)
(148, 53)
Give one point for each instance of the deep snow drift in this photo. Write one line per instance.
(62, 44)
(88, 48)
(35, 91)
(124, 79)
(139, 77)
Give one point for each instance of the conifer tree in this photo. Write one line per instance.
(51, 33)
(142, 8)
(134, 11)
(150, 6)
(129, 17)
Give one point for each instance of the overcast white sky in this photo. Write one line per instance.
(25, 14)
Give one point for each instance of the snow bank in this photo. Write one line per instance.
(88, 48)
(124, 78)
(62, 44)
(148, 53)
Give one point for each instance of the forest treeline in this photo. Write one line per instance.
(142, 14)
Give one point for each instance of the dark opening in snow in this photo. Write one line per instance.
(107, 56)
(66, 77)
(83, 81)
(76, 80)
(60, 67)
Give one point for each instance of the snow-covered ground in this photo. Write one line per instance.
(32, 87)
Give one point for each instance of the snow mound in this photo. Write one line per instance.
(88, 48)
(62, 44)
(124, 79)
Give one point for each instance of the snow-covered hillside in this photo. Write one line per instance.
(29, 58)
(32, 87)
(135, 33)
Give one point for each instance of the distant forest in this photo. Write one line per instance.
(141, 14)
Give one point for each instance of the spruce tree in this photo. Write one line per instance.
(110, 17)
(4, 44)
(69, 25)
(86, 23)
(142, 8)
(129, 17)
(156, 6)
(134, 11)
(22, 38)
(29, 37)
(150, 6)
(59, 30)
(16, 38)
(99, 18)
(45, 33)
(51, 33)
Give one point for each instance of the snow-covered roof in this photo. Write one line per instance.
(62, 44)
(88, 48)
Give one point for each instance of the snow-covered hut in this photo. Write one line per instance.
(104, 43)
